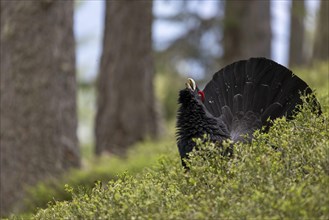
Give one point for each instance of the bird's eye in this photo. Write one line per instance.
(201, 95)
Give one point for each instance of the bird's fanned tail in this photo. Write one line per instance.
(247, 93)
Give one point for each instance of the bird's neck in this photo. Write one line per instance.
(194, 121)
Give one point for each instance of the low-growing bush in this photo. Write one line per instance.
(101, 169)
(281, 174)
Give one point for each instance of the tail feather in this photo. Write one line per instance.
(240, 79)
(271, 112)
(237, 103)
(259, 86)
(216, 95)
(227, 116)
(223, 91)
(229, 80)
(290, 106)
(248, 96)
(260, 98)
(214, 100)
(281, 78)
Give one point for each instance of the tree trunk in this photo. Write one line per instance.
(126, 107)
(38, 95)
(247, 30)
(321, 45)
(297, 31)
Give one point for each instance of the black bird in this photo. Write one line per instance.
(239, 99)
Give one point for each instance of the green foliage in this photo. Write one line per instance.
(167, 86)
(257, 182)
(281, 174)
(317, 77)
(101, 169)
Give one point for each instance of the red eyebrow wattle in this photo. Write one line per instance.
(201, 94)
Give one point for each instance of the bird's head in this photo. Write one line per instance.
(191, 92)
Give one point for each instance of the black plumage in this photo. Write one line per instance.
(239, 99)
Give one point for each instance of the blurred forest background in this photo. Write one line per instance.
(76, 109)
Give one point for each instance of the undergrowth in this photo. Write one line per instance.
(282, 174)
(97, 169)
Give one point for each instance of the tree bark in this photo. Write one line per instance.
(297, 31)
(38, 95)
(321, 44)
(247, 30)
(126, 107)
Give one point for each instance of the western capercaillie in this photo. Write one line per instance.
(238, 100)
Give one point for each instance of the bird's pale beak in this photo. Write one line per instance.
(190, 84)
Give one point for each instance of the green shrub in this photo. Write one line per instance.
(281, 174)
(181, 185)
(102, 169)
